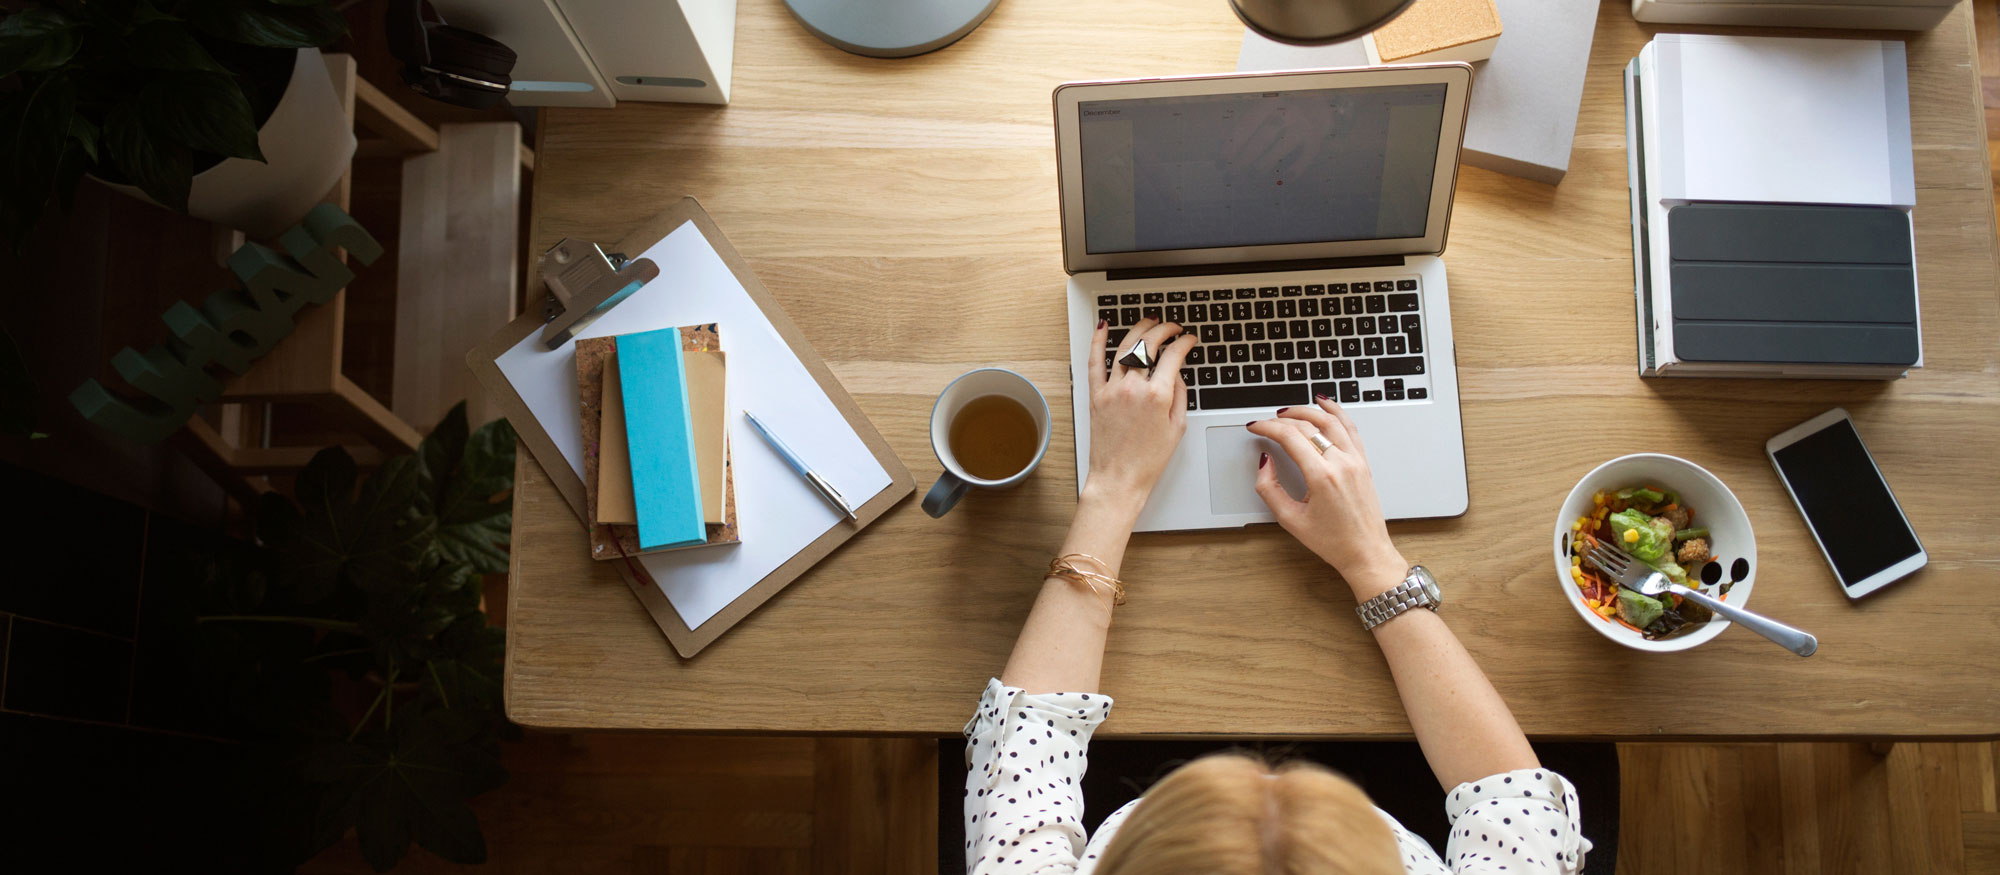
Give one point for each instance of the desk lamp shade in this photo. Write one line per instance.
(1315, 22)
(890, 28)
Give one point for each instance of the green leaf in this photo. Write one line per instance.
(144, 12)
(36, 39)
(466, 481)
(203, 111)
(168, 45)
(410, 782)
(17, 391)
(85, 133)
(161, 168)
(465, 670)
(34, 149)
(369, 538)
(286, 26)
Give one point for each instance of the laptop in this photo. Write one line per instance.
(1293, 222)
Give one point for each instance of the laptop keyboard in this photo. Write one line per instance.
(1278, 346)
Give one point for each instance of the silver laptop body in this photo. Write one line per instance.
(1175, 206)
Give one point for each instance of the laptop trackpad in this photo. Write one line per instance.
(1232, 470)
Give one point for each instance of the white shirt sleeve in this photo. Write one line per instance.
(1023, 787)
(1522, 821)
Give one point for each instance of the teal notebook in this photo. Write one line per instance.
(666, 484)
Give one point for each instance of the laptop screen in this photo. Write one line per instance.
(1310, 166)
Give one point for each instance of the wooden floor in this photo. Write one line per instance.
(793, 806)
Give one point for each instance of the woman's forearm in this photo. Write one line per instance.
(1061, 647)
(1462, 724)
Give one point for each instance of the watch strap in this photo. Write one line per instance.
(1387, 605)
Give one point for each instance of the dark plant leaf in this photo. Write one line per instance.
(168, 45)
(33, 145)
(36, 39)
(85, 133)
(406, 613)
(163, 169)
(410, 782)
(285, 26)
(370, 538)
(466, 484)
(17, 391)
(203, 111)
(144, 12)
(465, 670)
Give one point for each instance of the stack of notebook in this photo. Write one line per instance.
(1772, 186)
(656, 442)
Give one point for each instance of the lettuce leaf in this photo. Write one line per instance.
(1638, 608)
(1650, 545)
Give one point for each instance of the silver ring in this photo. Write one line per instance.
(1320, 442)
(1137, 357)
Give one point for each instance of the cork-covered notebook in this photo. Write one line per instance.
(613, 540)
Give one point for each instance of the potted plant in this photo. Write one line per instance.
(347, 655)
(221, 109)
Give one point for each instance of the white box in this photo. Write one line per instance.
(1864, 14)
(594, 53)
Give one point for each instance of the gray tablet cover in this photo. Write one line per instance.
(1793, 284)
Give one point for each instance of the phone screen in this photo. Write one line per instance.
(1847, 503)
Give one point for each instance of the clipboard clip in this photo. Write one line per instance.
(584, 283)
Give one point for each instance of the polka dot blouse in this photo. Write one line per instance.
(1024, 800)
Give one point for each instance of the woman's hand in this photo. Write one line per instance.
(1341, 518)
(1137, 416)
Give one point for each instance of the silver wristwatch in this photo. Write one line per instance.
(1418, 589)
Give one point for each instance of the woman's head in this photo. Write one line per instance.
(1230, 814)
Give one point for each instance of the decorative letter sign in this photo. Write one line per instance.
(232, 328)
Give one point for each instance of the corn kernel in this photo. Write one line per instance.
(1593, 603)
(1576, 526)
(1606, 611)
(1598, 499)
(1631, 536)
(1575, 561)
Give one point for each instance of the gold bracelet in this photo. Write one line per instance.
(1063, 567)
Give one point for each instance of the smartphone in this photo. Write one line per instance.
(1848, 507)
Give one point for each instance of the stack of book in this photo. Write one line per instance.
(1772, 186)
(656, 442)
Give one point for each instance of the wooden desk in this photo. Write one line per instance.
(905, 214)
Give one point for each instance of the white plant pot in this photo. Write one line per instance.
(308, 142)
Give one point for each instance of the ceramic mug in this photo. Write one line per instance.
(970, 386)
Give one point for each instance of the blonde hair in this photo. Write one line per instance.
(1231, 814)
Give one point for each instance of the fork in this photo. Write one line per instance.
(1633, 574)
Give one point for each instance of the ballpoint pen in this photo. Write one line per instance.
(819, 483)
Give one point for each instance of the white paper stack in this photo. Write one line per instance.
(1772, 127)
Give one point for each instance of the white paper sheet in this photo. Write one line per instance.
(1784, 120)
(777, 514)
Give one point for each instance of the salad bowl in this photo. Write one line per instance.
(1733, 544)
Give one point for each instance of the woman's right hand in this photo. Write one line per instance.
(1341, 517)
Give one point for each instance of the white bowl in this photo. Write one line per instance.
(1715, 508)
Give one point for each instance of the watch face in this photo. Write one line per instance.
(1429, 584)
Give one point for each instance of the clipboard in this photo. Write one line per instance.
(483, 360)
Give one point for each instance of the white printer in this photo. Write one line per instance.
(594, 53)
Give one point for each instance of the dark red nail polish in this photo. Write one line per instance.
(1283, 409)
(1315, 397)
(1263, 459)
(1250, 423)
(1100, 324)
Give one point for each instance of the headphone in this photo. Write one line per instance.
(448, 63)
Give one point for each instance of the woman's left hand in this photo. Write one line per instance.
(1137, 415)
